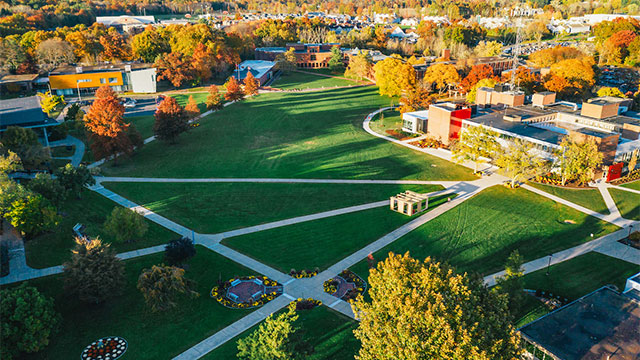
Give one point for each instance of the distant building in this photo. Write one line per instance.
(601, 325)
(138, 78)
(25, 112)
(307, 55)
(260, 69)
(125, 22)
(10, 83)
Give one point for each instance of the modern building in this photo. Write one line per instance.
(307, 55)
(125, 22)
(542, 123)
(138, 78)
(409, 203)
(601, 325)
(262, 70)
(415, 121)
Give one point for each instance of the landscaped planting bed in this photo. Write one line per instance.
(289, 135)
(149, 335)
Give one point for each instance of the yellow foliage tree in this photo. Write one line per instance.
(441, 75)
(393, 76)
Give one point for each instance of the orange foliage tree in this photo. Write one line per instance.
(171, 120)
(214, 99)
(525, 79)
(417, 99)
(105, 123)
(251, 85)
(202, 61)
(234, 92)
(191, 108)
(548, 57)
(578, 74)
(477, 73)
(114, 46)
(175, 67)
(616, 48)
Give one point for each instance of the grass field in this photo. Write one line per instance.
(303, 135)
(391, 125)
(628, 203)
(144, 124)
(321, 243)
(581, 275)
(632, 185)
(217, 207)
(328, 332)
(589, 198)
(150, 335)
(199, 98)
(479, 234)
(62, 151)
(299, 80)
(53, 248)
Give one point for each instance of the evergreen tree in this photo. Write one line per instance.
(179, 250)
(335, 61)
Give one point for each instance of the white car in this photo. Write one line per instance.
(129, 104)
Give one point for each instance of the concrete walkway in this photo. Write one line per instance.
(624, 188)
(79, 147)
(608, 200)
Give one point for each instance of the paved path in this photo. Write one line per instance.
(621, 251)
(608, 200)
(624, 189)
(76, 159)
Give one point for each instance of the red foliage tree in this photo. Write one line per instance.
(251, 85)
(105, 122)
(234, 92)
(191, 109)
(175, 67)
(171, 120)
(214, 100)
(477, 73)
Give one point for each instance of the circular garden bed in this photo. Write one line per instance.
(345, 286)
(108, 348)
(246, 292)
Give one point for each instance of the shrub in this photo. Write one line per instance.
(125, 225)
(161, 286)
(179, 250)
(4, 260)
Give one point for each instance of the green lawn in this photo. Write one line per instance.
(632, 185)
(479, 234)
(581, 275)
(199, 98)
(299, 80)
(589, 198)
(390, 125)
(62, 151)
(532, 309)
(321, 243)
(301, 135)
(53, 248)
(150, 335)
(628, 203)
(217, 207)
(328, 332)
(144, 124)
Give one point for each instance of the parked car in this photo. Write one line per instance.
(129, 104)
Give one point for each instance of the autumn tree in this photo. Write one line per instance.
(214, 99)
(50, 102)
(105, 122)
(162, 285)
(633, 161)
(425, 310)
(615, 48)
(571, 78)
(393, 76)
(175, 68)
(524, 79)
(578, 160)
(28, 320)
(488, 48)
(234, 91)
(171, 120)
(417, 99)
(550, 56)
(360, 65)
(278, 337)
(202, 62)
(610, 91)
(476, 143)
(52, 53)
(125, 225)
(191, 109)
(511, 282)
(519, 160)
(114, 46)
(477, 73)
(251, 85)
(442, 75)
(471, 95)
(94, 274)
(149, 44)
(286, 62)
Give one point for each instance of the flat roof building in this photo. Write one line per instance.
(601, 325)
(136, 77)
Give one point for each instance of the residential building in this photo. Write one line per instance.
(138, 78)
(600, 325)
(262, 70)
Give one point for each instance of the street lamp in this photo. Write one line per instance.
(549, 264)
(78, 86)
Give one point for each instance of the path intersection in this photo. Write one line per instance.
(313, 287)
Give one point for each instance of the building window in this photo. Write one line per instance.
(103, 81)
(313, 57)
(113, 80)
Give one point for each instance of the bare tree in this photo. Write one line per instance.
(53, 53)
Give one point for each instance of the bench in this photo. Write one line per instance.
(236, 282)
(233, 296)
(257, 281)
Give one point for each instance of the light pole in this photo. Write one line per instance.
(78, 86)
(549, 264)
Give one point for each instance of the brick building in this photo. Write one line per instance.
(313, 56)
